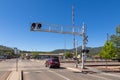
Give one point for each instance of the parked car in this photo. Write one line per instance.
(52, 62)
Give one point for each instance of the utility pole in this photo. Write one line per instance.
(64, 45)
(73, 29)
(107, 37)
(74, 43)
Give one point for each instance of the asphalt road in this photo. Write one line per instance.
(65, 74)
(36, 70)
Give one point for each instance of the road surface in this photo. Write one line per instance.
(36, 70)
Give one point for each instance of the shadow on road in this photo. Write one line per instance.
(58, 68)
(85, 72)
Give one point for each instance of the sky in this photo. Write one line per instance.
(16, 17)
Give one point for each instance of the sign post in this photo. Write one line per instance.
(16, 51)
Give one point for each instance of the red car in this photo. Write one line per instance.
(52, 62)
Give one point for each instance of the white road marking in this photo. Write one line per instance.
(73, 69)
(59, 75)
(26, 72)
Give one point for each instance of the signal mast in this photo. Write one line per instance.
(53, 28)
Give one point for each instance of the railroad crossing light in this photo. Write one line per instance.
(85, 50)
(39, 25)
(35, 26)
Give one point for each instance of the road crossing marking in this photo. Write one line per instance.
(27, 72)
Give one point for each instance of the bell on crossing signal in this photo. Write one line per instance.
(33, 26)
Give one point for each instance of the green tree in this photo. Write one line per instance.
(116, 41)
(35, 55)
(68, 55)
(108, 51)
(118, 29)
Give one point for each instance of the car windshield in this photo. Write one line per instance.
(55, 59)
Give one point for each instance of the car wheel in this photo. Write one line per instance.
(49, 66)
(45, 65)
(58, 66)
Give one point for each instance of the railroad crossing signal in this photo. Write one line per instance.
(64, 30)
(55, 28)
(36, 26)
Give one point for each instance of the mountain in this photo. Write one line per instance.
(5, 48)
(92, 50)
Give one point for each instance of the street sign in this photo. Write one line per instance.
(16, 51)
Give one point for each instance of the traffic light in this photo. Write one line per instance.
(35, 26)
(85, 50)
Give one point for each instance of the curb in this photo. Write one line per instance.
(21, 75)
(88, 70)
(14, 75)
(8, 78)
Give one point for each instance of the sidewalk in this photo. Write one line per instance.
(86, 70)
(14, 75)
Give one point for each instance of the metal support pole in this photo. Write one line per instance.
(16, 52)
(84, 37)
(64, 47)
(73, 28)
(76, 45)
(83, 57)
(17, 63)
